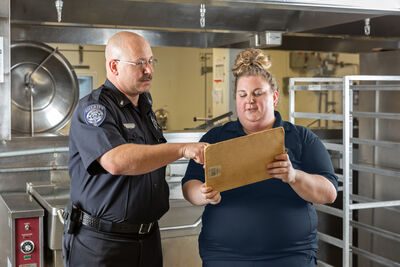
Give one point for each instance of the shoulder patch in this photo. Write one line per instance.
(95, 114)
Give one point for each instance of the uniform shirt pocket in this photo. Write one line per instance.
(134, 136)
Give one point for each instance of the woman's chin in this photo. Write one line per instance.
(253, 121)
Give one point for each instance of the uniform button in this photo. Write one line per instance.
(155, 185)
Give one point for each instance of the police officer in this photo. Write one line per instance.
(117, 159)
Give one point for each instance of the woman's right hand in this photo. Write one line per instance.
(197, 193)
(210, 195)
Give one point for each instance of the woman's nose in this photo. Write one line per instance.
(251, 99)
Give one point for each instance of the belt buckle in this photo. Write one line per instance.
(143, 226)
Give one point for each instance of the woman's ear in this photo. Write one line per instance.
(276, 98)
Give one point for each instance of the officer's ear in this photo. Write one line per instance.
(113, 65)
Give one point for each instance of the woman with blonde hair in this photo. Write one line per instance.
(272, 222)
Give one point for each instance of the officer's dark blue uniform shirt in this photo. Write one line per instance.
(267, 219)
(102, 121)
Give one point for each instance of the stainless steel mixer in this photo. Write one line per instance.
(44, 88)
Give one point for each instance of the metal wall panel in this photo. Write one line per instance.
(17, 170)
(5, 91)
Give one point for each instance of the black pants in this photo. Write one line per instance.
(98, 249)
(297, 260)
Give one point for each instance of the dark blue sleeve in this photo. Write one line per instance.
(194, 170)
(93, 141)
(315, 158)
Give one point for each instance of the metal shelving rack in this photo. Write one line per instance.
(351, 201)
(320, 85)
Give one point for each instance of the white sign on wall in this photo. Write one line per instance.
(1, 60)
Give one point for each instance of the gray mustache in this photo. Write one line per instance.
(147, 77)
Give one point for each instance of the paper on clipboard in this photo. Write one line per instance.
(242, 161)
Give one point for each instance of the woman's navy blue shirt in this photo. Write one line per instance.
(266, 219)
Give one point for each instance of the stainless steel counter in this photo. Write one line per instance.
(180, 224)
(51, 197)
(182, 219)
(181, 216)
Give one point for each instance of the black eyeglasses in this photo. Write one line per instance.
(141, 63)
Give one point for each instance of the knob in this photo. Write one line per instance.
(27, 247)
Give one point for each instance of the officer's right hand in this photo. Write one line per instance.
(194, 151)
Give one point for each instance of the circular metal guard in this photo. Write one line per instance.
(44, 88)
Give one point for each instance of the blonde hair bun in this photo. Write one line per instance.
(250, 61)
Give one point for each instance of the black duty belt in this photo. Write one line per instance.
(113, 227)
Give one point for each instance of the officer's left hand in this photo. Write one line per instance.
(282, 168)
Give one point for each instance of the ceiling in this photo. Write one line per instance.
(305, 25)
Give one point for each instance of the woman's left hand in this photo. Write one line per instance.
(282, 168)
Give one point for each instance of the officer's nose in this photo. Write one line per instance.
(148, 68)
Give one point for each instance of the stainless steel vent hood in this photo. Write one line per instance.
(228, 23)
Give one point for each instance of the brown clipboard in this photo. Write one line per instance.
(242, 161)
